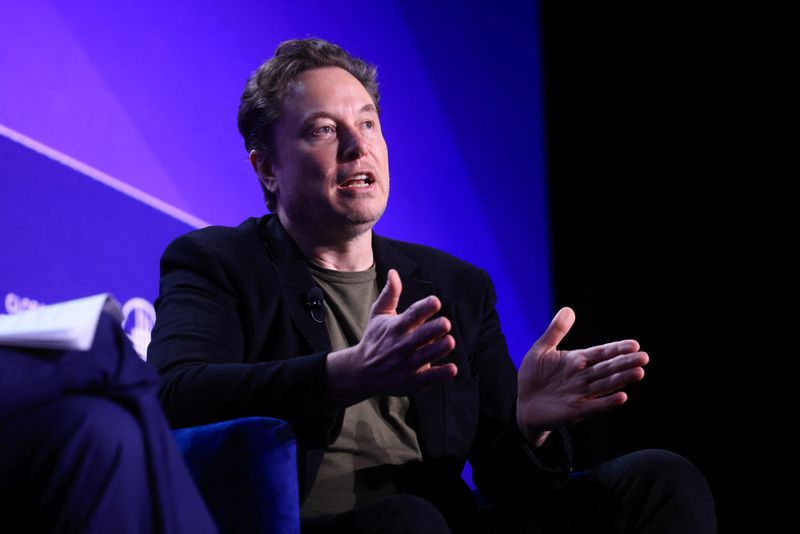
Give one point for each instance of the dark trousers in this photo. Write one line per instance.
(84, 445)
(652, 491)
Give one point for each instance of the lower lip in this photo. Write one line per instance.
(363, 189)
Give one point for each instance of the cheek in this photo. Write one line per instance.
(386, 164)
(379, 151)
(319, 165)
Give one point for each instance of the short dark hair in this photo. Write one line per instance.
(262, 99)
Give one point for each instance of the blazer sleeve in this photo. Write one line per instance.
(198, 347)
(505, 468)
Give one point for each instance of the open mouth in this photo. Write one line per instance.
(358, 181)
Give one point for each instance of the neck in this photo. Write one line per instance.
(338, 251)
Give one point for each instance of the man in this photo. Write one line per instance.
(387, 358)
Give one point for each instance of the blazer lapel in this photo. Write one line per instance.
(292, 270)
(427, 413)
(414, 286)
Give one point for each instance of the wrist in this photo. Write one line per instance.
(533, 436)
(342, 386)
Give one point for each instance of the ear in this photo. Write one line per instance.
(263, 168)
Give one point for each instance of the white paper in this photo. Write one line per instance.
(66, 325)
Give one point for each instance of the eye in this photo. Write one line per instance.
(324, 130)
(369, 124)
(321, 131)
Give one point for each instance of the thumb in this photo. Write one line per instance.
(559, 326)
(386, 303)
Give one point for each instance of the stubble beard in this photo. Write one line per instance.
(358, 222)
(355, 224)
(334, 226)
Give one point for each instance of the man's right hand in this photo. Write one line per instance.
(394, 356)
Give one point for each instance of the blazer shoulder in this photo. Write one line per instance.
(438, 265)
(221, 239)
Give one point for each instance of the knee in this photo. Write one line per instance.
(94, 430)
(660, 488)
(69, 458)
(669, 477)
(668, 470)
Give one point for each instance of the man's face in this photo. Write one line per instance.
(330, 168)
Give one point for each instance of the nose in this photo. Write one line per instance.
(352, 145)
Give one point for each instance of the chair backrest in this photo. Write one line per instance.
(246, 470)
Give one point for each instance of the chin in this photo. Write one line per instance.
(360, 222)
(364, 214)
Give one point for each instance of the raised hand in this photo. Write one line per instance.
(560, 387)
(394, 356)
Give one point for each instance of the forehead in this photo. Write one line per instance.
(328, 89)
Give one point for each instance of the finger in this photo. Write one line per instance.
(603, 404)
(558, 328)
(386, 303)
(417, 314)
(435, 373)
(601, 353)
(617, 364)
(433, 351)
(427, 333)
(615, 382)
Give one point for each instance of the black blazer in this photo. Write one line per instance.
(234, 337)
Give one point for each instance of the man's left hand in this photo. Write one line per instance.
(560, 387)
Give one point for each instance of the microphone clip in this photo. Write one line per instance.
(314, 301)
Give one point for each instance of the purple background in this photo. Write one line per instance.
(147, 92)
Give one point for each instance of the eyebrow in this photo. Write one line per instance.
(367, 108)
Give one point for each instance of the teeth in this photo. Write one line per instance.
(359, 180)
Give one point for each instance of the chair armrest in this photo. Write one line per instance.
(246, 471)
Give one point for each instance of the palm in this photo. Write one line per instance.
(560, 387)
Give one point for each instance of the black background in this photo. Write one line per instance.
(648, 123)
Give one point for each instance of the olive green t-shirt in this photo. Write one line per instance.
(376, 452)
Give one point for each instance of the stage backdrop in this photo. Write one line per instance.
(145, 93)
(119, 133)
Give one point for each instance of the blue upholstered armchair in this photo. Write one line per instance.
(246, 470)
